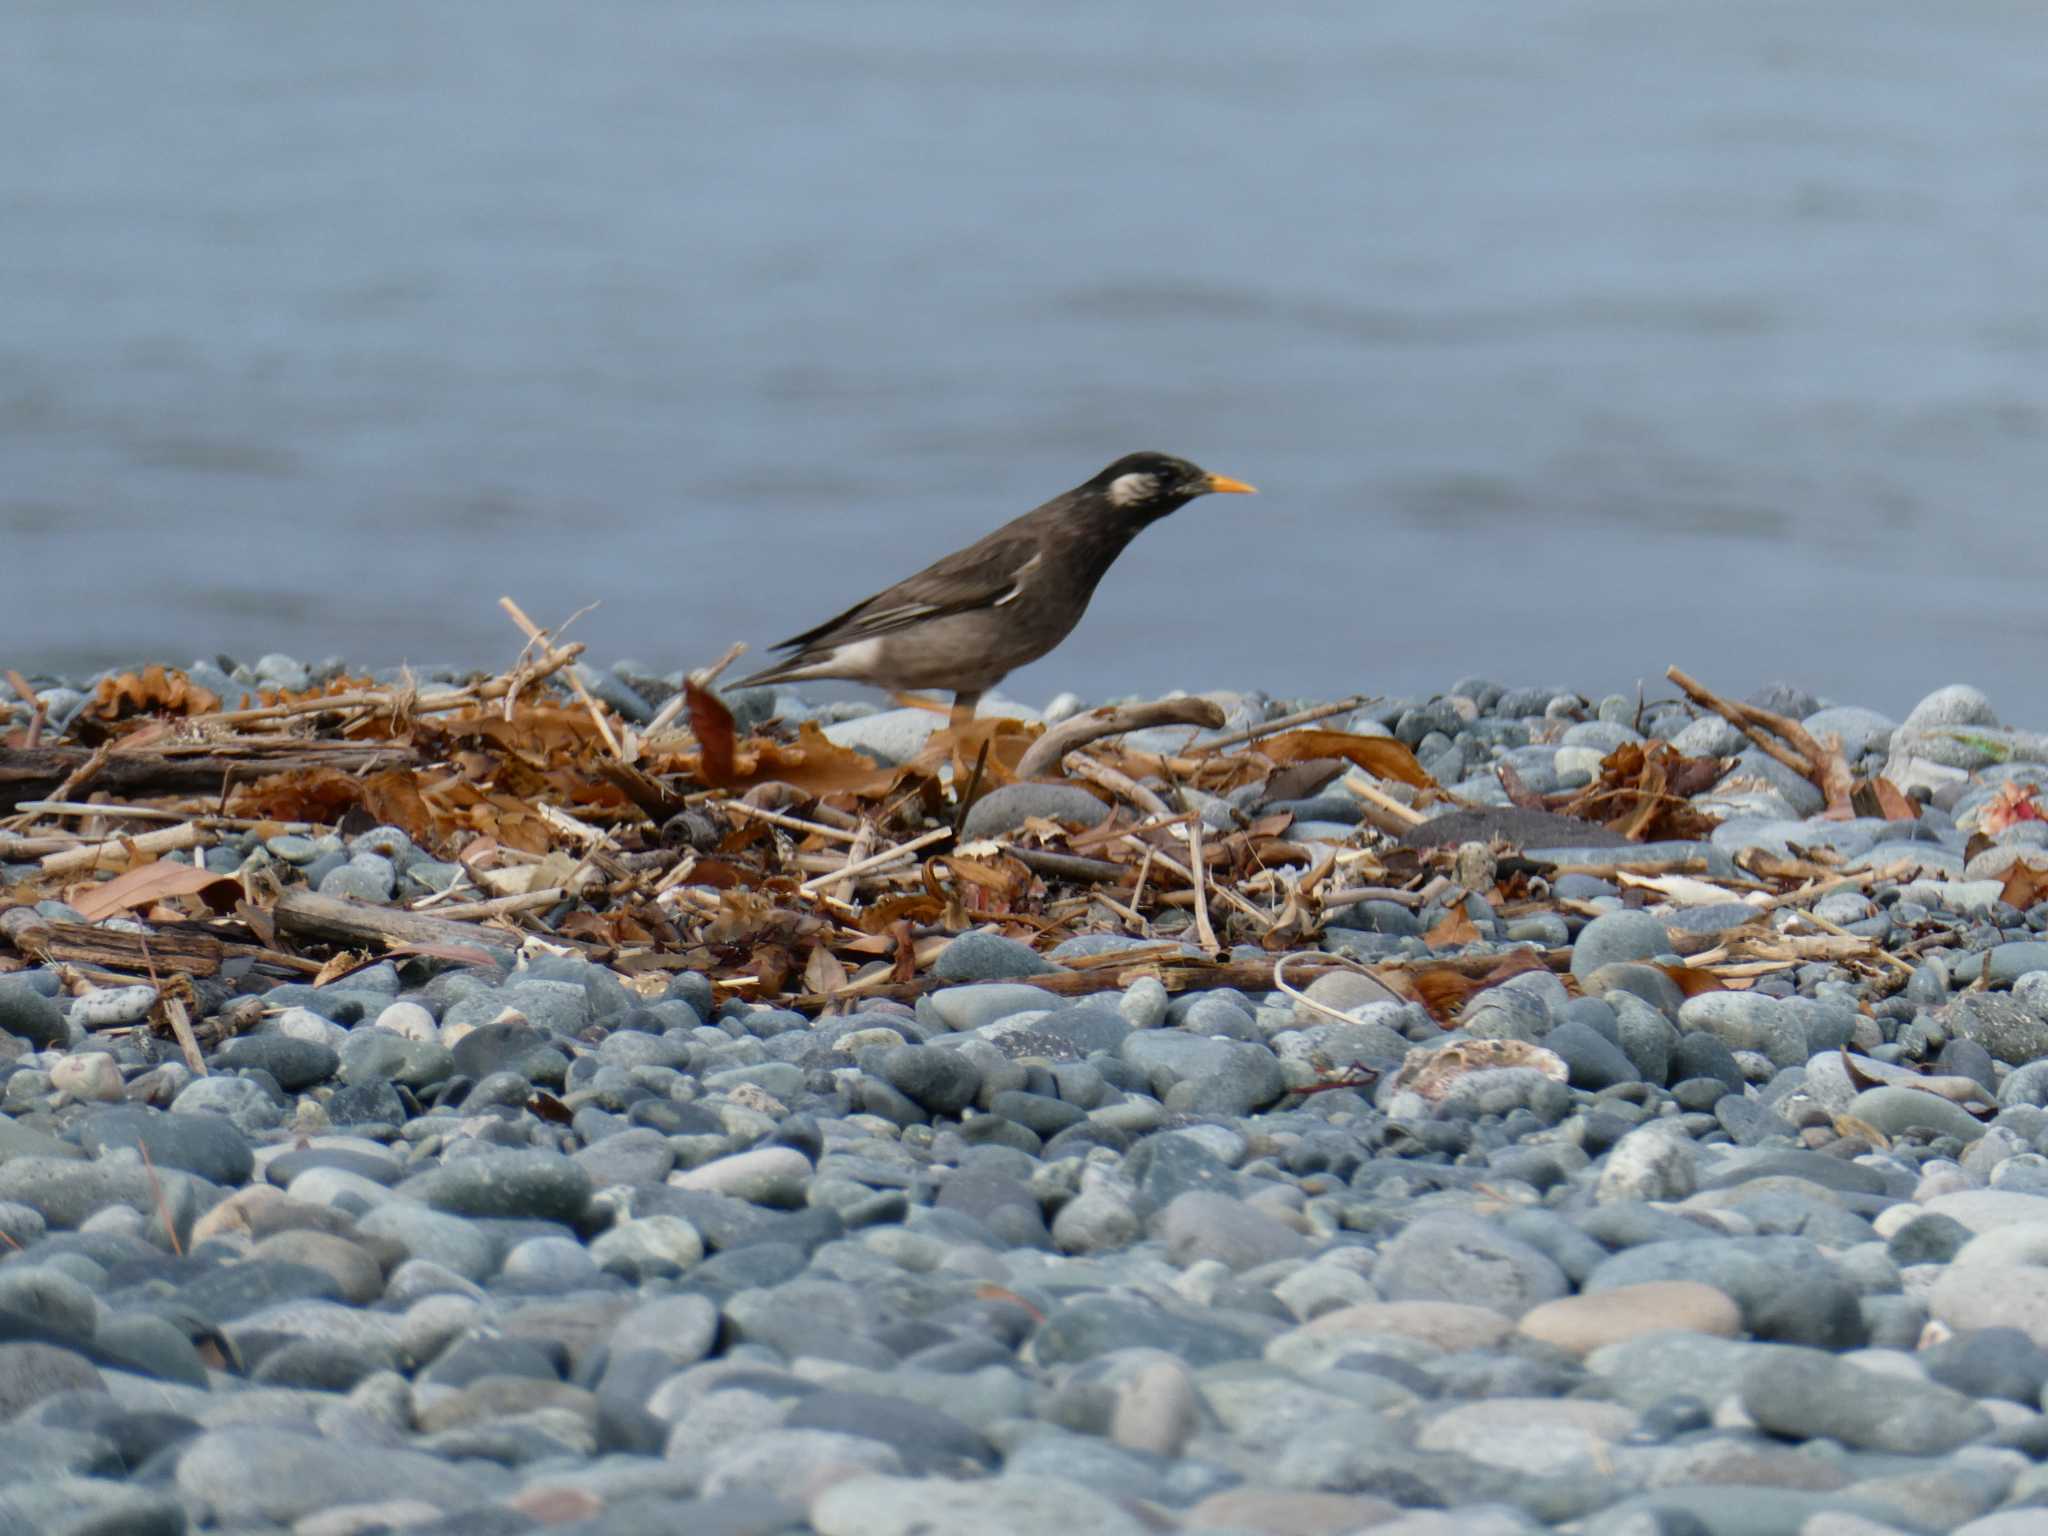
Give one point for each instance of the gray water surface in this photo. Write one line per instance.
(1565, 340)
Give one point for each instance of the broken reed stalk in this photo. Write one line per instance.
(1780, 736)
(876, 861)
(1205, 931)
(1119, 784)
(102, 855)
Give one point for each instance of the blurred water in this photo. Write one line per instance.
(1566, 341)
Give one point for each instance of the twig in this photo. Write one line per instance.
(791, 823)
(500, 906)
(89, 855)
(156, 1194)
(1205, 931)
(1113, 720)
(1822, 766)
(537, 636)
(1076, 765)
(1373, 795)
(1284, 723)
(863, 866)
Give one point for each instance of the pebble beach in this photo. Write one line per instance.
(522, 1240)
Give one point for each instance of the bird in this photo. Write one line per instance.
(966, 621)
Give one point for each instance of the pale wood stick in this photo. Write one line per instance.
(792, 823)
(1205, 931)
(312, 915)
(498, 906)
(1284, 723)
(1357, 893)
(157, 813)
(387, 700)
(188, 1043)
(1877, 950)
(122, 849)
(1372, 794)
(538, 636)
(887, 856)
(1224, 891)
(1112, 720)
(1076, 766)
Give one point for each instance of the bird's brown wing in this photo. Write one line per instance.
(983, 575)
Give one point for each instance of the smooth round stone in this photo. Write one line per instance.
(1616, 937)
(1786, 1287)
(1993, 1295)
(294, 1064)
(970, 1007)
(649, 1246)
(1144, 1003)
(1805, 1394)
(544, 1186)
(449, 1242)
(982, 956)
(1460, 1258)
(1006, 809)
(92, 1077)
(357, 1277)
(1983, 1211)
(559, 1264)
(1544, 1437)
(208, 1145)
(1897, 1110)
(932, 1077)
(111, 1007)
(1955, 704)
(409, 1020)
(1446, 1325)
(1582, 1324)
(2010, 1031)
(773, 1176)
(378, 1167)
(1100, 1219)
(250, 1473)
(1652, 1162)
(1201, 1225)
(28, 1015)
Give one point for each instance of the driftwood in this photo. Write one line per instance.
(1044, 754)
(306, 914)
(32, 773)
(190, 954)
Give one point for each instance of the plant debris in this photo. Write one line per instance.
(789, 869)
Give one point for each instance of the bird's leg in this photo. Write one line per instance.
(964, 704)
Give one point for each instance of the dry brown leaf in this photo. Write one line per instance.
(164, 880)
(1453, 928)
(711, 723)
(1380, 756)
(823, 973)
(2025, 885)
(153, 690)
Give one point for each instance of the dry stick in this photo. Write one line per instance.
(790, 823)
(499, 906)
(385, 700)
(1877, 950)
(74, 860)
(538, 636)
(1112, 720)
(1301, 998)
(863, 866)
(1373, 795)
(1237, 901)
(156, 813)
(1075, 766)
(1284, 723)
(1807, 757)
(1205, 931)
(1356, 893)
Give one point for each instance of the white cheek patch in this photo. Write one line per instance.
(1126, 490)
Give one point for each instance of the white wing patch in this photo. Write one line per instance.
(1023, 572)
(1126, 490)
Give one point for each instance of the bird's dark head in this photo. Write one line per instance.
(1158, 483)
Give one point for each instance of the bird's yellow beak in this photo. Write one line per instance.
(1225, 483)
